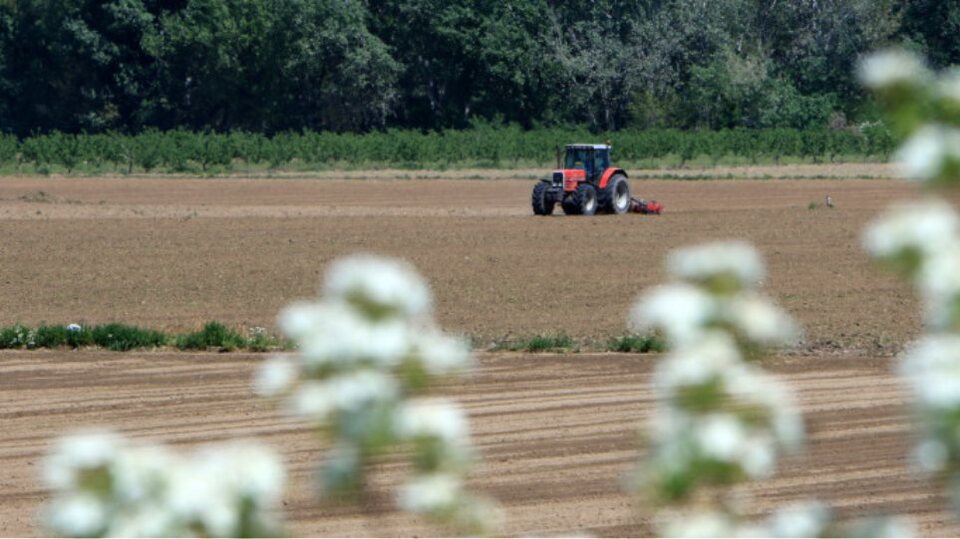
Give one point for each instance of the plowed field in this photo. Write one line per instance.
(557, 432)
(175, 253)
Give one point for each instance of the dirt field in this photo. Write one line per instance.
(175, 253)
(557, 432)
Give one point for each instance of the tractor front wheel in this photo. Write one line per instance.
(616, 197)
(542, 199)
(583, 201)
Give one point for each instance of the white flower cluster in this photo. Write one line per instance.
(916, 97)
(889, 68)
(922, 240)
(720, 419)
(368, 351)
(804, 519)
(716, 292)
(931, 369)
(105, 486)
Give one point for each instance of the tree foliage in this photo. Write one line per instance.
(272, 66)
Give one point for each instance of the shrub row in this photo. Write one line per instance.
(483, 145)
(561, 342)
(122, 337)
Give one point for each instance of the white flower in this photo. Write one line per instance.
(429, 493)
(737, 259)
(436, 418)
(949, 84)
(356, 389)
(697, 362)
(245, 469)
(759, 456)
(940, 274)
(927, 227)
(275, 376)
(924, 154)
(140, 473)
(805, 519)
(213, 486)
(759, 320)
(312, 401)
(749, 386)
(680, 310)
(721, 437)
(441, 354)
(932, 369)
(75, 453)
(197, 496)
(336, 333)
(76, 515)
(146, 521)
(384, 282)
(317, 400)
(707, 524)
(894, 66)
(931, 455)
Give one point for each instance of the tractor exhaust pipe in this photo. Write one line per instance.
(558, 157)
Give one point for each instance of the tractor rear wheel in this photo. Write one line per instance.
(542, 199)
(583, 201)
(616, 197)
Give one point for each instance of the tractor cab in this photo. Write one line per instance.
(593, 159)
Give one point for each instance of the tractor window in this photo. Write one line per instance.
(576, 159)
(601, 161)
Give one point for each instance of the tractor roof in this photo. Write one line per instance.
(588, 146)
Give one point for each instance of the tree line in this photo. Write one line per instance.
(273, 66)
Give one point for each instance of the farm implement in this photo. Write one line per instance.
(588, 184)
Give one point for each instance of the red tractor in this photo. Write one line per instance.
(586, 184)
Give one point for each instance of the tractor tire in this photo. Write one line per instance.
(583, 201)
(616, 197)
(542, 199)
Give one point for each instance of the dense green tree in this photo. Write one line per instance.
(264, 65)
(78, 64)
(6, 85)
(816, 43)
(934, 25)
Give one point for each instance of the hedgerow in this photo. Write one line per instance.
(124, 337)
(182, 151)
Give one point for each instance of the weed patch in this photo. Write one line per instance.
(213, 335)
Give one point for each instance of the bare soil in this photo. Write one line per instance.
(557, 435)
(557, 432)
(175, 253)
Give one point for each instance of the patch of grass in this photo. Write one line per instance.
(17, 336)
(538, 343)
(213, 335)
(636, 343)
(812, 206)
(121, 337)
(261, 341)
(56, 336)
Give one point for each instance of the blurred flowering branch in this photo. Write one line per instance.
(106, 486)
(720, 419)
(368, 355)
(921, 241)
